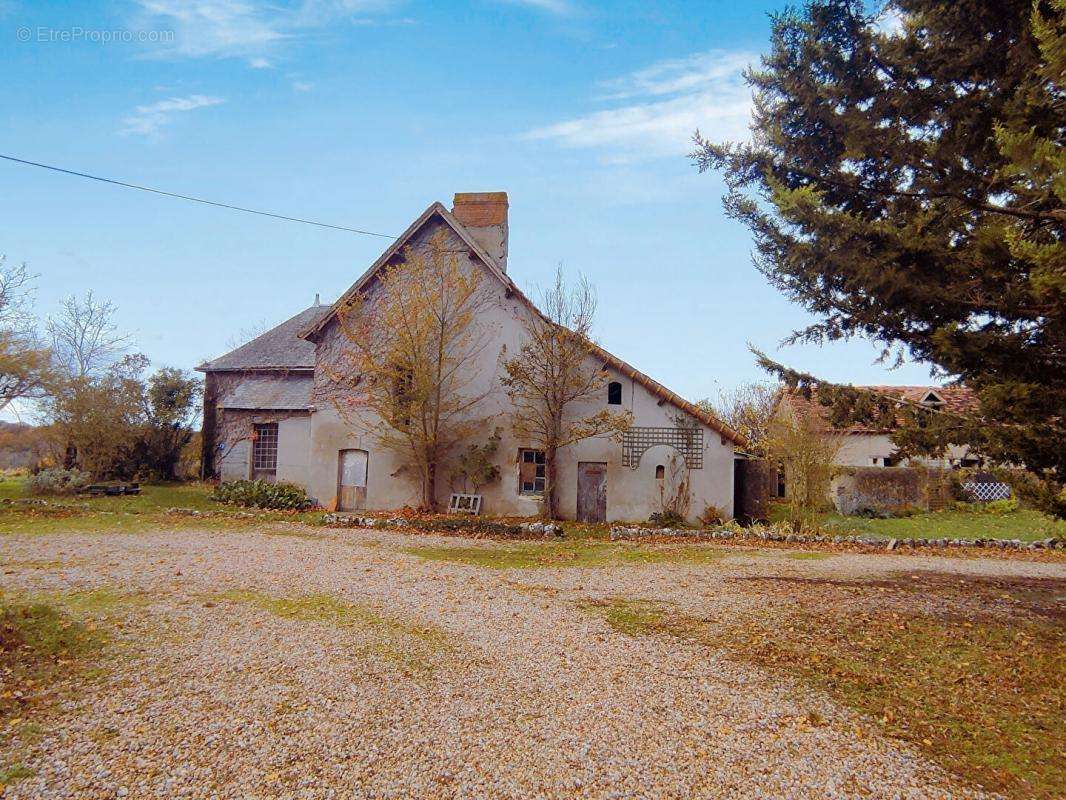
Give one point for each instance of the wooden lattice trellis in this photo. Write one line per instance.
(987, 491)
(638, 440)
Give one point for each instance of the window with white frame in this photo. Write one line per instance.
(265, 447)
(530, 471)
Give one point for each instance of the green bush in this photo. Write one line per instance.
(1008, 506)
(57, 481)
(261, 494)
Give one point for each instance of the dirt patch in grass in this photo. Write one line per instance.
(585, 553)
(970, 671)
(415, 647)
(945, 595)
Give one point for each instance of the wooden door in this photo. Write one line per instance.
(351, 479)
(591, 491)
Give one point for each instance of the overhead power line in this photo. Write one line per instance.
(195, 199)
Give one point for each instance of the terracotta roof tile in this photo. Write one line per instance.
(957, 399)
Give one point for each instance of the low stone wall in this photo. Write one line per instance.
(875, 489)
(855, 490)
(450, 525)
(769, 535)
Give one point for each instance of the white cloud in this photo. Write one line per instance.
(656, 109)
(677, 75)
(147, 120)
(242, 28)
(213, 27)
(560, 7)
(302, 86)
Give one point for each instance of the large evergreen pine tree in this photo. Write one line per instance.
(905, 182)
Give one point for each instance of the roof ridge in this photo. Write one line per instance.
(707, 418)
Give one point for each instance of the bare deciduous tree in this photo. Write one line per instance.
(85, 340)
(553, 374)
(408, 368)
(749, 410)
(24, 360)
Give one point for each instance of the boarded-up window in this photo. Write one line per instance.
(614, 393)
(265, 447)
(531, 472)
(353, 467)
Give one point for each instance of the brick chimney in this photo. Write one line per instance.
(484, 215)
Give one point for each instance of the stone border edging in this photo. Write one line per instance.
(484, 527)
(621, 533)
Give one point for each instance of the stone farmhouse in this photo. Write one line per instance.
(269, 412)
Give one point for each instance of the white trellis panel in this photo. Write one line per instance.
(986, 491)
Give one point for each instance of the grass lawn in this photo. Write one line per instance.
(126, 513)
(981, 693)
(41, 644)
(38, 640)
(1023, 524)
(46, 641)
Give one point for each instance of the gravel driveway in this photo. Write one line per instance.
(428, 678)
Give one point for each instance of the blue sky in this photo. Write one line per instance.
(361, 113)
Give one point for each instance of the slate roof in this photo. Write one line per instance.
(278, 348)
(957, 399)
(271, 392)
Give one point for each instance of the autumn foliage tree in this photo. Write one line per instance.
(96, 420)
(904, 182)
(805, 450)
(554, 377)
(408, 369)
